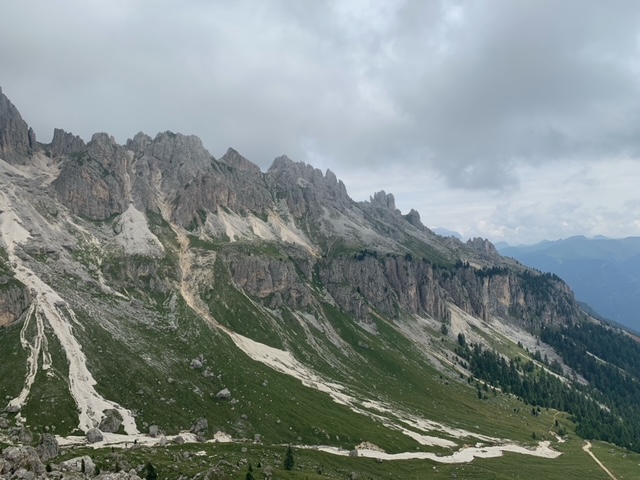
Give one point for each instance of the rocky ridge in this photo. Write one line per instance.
(122, 246)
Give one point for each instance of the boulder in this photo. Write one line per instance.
(117, 476)
(25, 435)
(47, 447)
(94, 435)
(200, 426)
(75, 465)
(23, 474)
(25, 457)
(223, 394)
(154, 431)
(111, 421)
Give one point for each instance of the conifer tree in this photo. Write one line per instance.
(288, 459)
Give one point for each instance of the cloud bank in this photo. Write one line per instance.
(482, 100)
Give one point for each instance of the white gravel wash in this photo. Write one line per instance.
(47, 304)
(464, 455)
(135, 236)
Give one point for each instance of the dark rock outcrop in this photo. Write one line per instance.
(304, 189)
(14, 300)
(47, 447)
(92, 182)
(65, 143)
(200, 427)
(17, 140)
(16, 458)
(111, 421)
(269, 278)
(384, 200)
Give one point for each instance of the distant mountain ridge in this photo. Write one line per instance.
(603, 272)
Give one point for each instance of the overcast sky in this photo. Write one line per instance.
(512, 120)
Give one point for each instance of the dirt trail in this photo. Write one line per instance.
(553, 424)
(587, 448)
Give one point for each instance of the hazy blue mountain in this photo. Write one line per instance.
(603, 272)
(445, 232)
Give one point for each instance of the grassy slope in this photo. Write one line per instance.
(134, 365)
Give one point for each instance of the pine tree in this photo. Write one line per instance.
(150, 472)
(288, 459)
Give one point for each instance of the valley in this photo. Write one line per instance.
(163, 306)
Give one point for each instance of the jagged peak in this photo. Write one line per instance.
(385, 200)
(102, 137)
(482, 245)
(283, 165)
(17, 139)
(235, 160)
(413, 217)
(139, 142)
(307, 171)
(282, 162)
(176, 136)
(65, 143)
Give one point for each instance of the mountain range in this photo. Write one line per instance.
(603, 272)
(167, 313)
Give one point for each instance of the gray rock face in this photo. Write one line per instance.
(65, 143)
(111, 421)
(16, 458)
(154, 431)
(384, 200)
(364, 281)
(94, 435)
(25, 435)
(17, 140)
(413, 217)
(223, 394)
(4, 423)
(418, 287)
(14, 300)
(483, 246)
(263, 276)
(305, 189)
(47, 447)
(92, 183)
(75, 465)
(223, 186)
(118, 476)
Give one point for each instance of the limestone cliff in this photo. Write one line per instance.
(17, 140)
(14, 300)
